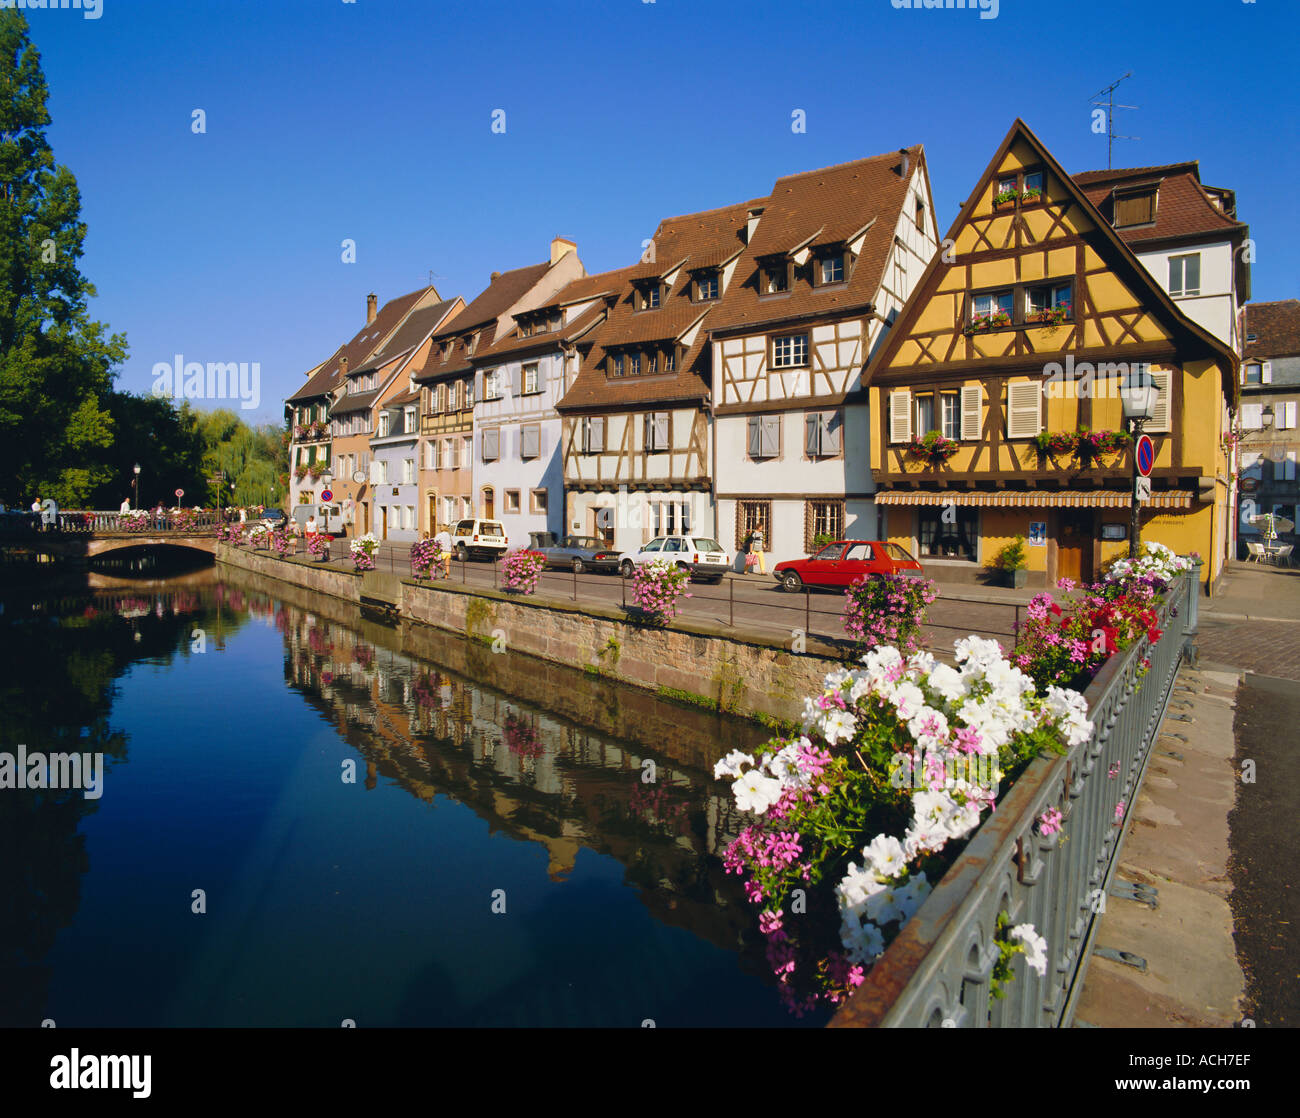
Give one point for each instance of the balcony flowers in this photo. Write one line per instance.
(888, 610)
(259, 535)
(316, 469)
(1053, 315)
(300, 431)
(1005, 198)
(318, 547)
(1093, 444)
(1032, 194)
(300, 471)
(933, 447)
(657, 588)
(979, 323)
(424, 553)
(363, 550)
(521, 569)
(858, 817)
(282, 541)
(1156, 567)
(318, 430)
(137, 520)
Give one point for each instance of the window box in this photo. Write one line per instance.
(1051, 316)
(1005, 198)
(933, 447)
(983, 323)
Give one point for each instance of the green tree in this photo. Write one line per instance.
(167, 442)
(56, 364)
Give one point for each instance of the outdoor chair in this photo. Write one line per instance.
(1283, 554)
(1256, 552)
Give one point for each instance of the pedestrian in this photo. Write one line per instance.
(126, 504)
(243, 516)
(311, 527)
(443, 541)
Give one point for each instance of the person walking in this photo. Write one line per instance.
(311, 527)
(126, 504)
(443, 542)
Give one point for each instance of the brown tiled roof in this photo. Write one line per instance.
(700, 239)
(1276, 327)
(363, 344)
(494, 300)
(1183, 207)
(404, 399)
(580, 290)
(419, 325)
(815, 208)
(361, 401)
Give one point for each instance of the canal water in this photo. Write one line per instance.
(308, 818)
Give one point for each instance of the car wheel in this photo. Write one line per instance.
(791, 583)
(461, 554)
(684, 567)
(627, 568)
(578, 568)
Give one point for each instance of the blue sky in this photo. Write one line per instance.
(372, 121)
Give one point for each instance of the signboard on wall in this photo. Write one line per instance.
(1037, 533)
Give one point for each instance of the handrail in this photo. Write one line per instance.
(936, 973)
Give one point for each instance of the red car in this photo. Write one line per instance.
(839, 564)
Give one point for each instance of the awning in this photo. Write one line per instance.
(1039, 499)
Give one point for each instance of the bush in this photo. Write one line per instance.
(1013, 557)
(888, 610)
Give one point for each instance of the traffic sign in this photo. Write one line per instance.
(1142, 489)
(327, 495)
(180, 493)
(1249, 484)
(1145, 452)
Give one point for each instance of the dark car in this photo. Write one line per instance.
(581, 553)
(273, 518)
(838, 565)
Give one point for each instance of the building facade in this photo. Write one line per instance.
(831, 258)
(1012, 348)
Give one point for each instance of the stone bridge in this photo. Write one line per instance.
(90, 534)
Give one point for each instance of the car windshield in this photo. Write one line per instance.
(491, 528)
(707, 545)
(832, 552)
(896, 552)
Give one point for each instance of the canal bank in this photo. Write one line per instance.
(727, 670)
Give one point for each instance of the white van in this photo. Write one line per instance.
(329, 519)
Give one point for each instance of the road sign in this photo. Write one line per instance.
(1249, 484)
(1145, 452)
(180, 493)
(327, 495)
(1142, 489)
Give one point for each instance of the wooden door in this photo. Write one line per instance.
(1074, 545)
(383, 512)
(489, 505)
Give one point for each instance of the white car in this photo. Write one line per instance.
(479, 539)
(705, 558)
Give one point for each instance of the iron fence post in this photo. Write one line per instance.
(731, 601)
(575, 584)
(807, 610)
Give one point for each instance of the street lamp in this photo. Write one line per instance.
(1138, 395)
(136, 483)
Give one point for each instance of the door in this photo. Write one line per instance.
(602, 521)
(489, 505)
(383, 513)
(1074, 545)
(432, 522)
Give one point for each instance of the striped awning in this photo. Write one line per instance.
(1035, 499)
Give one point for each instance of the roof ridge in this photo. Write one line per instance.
(712, 210)
(1272, 302)
(851, 162)
(1120, 171)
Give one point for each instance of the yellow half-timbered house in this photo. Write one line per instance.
(1014, 343)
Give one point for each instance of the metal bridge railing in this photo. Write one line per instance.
(937, 972)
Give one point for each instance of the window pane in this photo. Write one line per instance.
(924, 415)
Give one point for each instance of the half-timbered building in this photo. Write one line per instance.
(1006, 364)
(832, 257)
(636, 430)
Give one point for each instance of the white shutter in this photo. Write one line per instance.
(972, 411)
(1288, 415)
(771, 436)
(1024, 410)
(900, 415)
(598, 432)
(1160, 421)
(755, 436)
(811, 435)
(1289, 466)
(1252, 417)
(661, 430)
(530, 442)
(831, 423)
(376, 472)
(1266, 373)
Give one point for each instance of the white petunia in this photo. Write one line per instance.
(885, 856)
(730, 764)
(863, 943)
(838, 725)
(911, 896)
(1035, 946)
(756, 792)
(945, 681)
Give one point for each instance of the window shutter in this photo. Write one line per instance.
(1160, 421)
(491, 445)
(900, 416)
(1288, 415)
(831, 423)
(478, 388)
(1289, 466)
(972, 413)
(1252, 417)
(516, 381)
(1024, 410)
(771, 438)
(598, 432)
(755, 436)
(661, 431)
(541, 375)
(531, 439)
(1266, 373)
(811, 435)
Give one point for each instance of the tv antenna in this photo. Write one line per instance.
(1109, 105)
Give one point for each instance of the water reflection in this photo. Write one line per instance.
(591, 805)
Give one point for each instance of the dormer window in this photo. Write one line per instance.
(470, 341)
(634, 365)
(1023, 187)
(706, 286)
(616, 365)
(1135, 207)
(775, 277)
(670, 360)
(830, 269)
(385, 423)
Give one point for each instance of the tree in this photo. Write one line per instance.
(165, 440)
(56, 365)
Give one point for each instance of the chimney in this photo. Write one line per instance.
(372, 304)
(560, 246)
(343, 366)
(494, 277)
(903, 163)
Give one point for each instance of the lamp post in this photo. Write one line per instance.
(1138, 395)
(136, 483)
